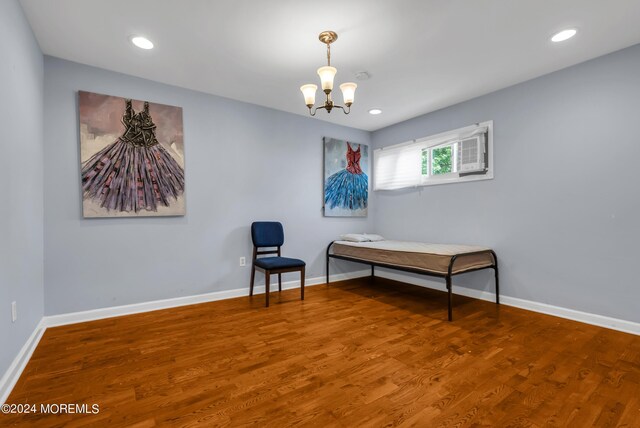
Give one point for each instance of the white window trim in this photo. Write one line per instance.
(451, 136)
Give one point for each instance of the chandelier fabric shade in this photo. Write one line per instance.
(327, 75)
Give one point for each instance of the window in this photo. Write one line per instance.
(461, 155)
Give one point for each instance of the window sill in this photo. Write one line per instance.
(451, 180)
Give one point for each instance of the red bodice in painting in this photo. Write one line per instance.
(353, 160)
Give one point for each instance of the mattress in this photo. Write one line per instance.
(416, 255)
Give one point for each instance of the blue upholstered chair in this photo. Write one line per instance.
(270, 234)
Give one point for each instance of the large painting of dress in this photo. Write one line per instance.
(346, 178)
(132, 157)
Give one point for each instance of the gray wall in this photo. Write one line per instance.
(21, 212)
(243, 163)
(563, 210)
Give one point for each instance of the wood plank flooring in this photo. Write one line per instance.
(358, 353)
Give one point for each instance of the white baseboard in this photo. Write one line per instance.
(116, 311)
(14, 371)
(585, 317)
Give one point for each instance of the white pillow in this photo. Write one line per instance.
(354, 237)
(361, 237)
(373, 238)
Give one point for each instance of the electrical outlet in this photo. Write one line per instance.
(14, 311)
(243, 261)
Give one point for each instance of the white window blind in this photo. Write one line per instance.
(397, 167)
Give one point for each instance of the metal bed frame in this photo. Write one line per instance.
(447, 276)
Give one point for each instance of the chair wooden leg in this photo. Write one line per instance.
(302, 284)
(253, 276)
(267, 277)
(279, 282)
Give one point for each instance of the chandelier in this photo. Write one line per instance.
(327, 73)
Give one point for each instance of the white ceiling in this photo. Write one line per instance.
(422, 55)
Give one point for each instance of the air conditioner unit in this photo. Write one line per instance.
(471, 154)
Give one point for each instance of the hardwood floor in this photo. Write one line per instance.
(356, 353)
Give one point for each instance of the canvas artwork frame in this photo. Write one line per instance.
(346, 178)
(131, 157)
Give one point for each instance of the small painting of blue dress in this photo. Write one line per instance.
(346, 178)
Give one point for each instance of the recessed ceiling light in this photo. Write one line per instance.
(142, 42)
(564, 35)
(375, 111)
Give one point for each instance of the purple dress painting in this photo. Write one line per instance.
(136, 174)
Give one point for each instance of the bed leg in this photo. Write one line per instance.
(497, 286)
(327, 269)
(450, 297)
(372, 271)
(327, 255)
(495, 270)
